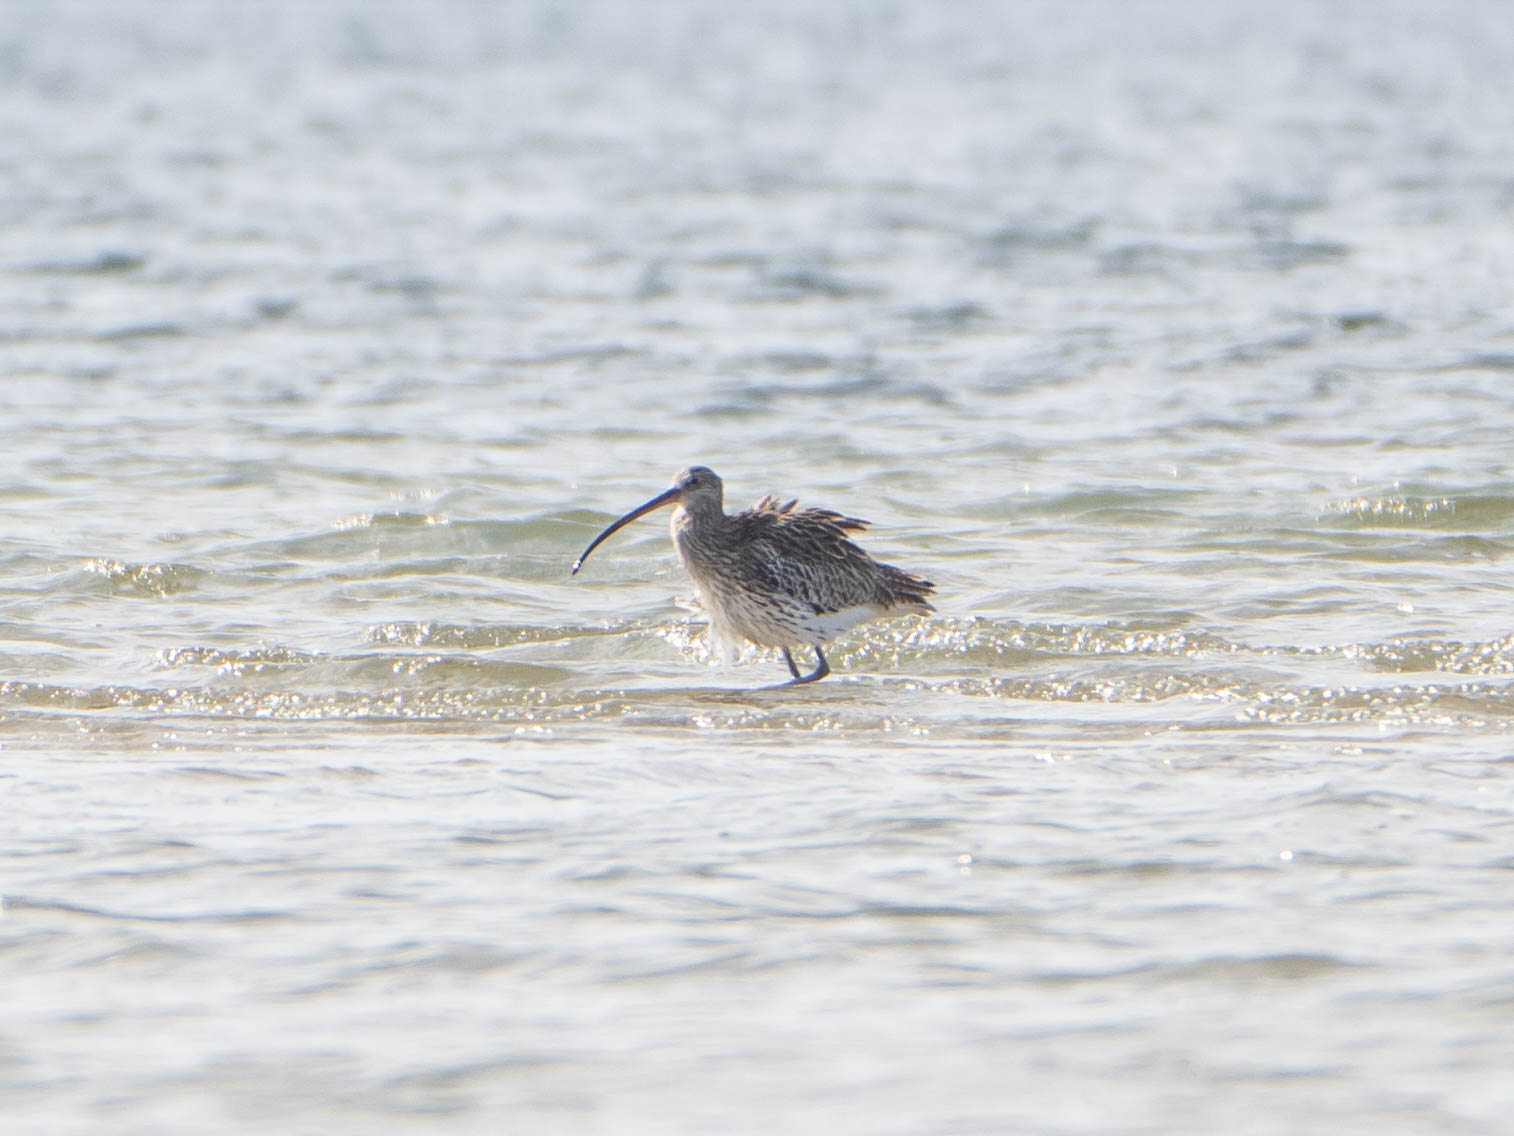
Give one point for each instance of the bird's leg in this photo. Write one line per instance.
(789, 659)
(822, 668)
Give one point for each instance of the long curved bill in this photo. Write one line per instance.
(667, 497)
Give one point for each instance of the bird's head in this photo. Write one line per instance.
(698, 489)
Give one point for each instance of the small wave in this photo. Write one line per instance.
(161, 330)
(425, 633)
(1130, 505)
(1470, 704)
(103, 263)
(1252, 970)
(397, 521)
(278, 665)
(525, 704)
(249, 915)
(156, 579)
(891, 676)
(1151, 688)
(958, 316)
(1285, 254)
(1483, 361)
(802, 282)
(1494, 657)
(233, 661)
(532, 698)
(588, 354)
(1393, 509)
(993, 642)
(1464, 512)
(1016, 239)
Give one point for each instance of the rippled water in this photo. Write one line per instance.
(1172, 341)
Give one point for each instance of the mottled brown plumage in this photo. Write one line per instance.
(777, 575)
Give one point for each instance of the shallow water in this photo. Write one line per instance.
(1173, 342)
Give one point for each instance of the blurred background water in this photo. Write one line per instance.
(1172, 340)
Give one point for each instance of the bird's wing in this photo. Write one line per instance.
(804, 553)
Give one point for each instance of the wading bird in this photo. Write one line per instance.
(776, 575)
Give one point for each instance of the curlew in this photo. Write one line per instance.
(776, 575)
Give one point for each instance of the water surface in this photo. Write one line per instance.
(1172, 341)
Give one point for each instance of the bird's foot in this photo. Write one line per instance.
(822, 668)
